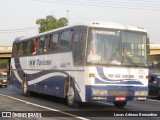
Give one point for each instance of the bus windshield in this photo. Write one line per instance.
(116, 47)
(134, 49)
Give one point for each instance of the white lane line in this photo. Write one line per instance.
(153, 100)
(82, 118)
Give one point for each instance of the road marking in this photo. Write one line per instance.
(153, 100)
(82, 118)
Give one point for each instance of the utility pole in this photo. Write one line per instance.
(68, 16)
(53, 14)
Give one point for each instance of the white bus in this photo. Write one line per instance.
(97, 61)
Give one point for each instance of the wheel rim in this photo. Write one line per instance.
(71, 95)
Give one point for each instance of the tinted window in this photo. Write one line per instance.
(30, 47)
(17, 49)
(79, 48)
(65, 40)
(34, 46)
(54, 42)
(14, 50)
(42, 44)
(24, 48)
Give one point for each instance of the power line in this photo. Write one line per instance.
(115, 4)
(19, 30)
(122, 2)
(128, 4)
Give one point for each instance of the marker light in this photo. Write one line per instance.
(91, 75)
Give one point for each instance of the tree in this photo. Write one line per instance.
(51, 23)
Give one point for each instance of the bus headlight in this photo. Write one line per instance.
(141, 93)
(100, 92)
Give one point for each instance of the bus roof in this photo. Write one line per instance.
(98, 24)
(114, 25)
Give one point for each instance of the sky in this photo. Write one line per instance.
(18, 17)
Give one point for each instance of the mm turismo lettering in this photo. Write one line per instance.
(39, 62)
(44, 62)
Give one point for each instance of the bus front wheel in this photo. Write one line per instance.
(71, 97)
(120, 104)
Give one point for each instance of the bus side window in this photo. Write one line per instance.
(20, 49)
(14, 52)
(45, 44)
(49, 43)
(24, 48)
(33, 46)
(65, 40)
(16, 49)
(42, 44)
(54, 42)
(30, 47)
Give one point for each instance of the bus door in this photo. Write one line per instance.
(79, 48)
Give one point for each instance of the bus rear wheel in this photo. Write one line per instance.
(25, 91)
(120, 104)
(71, 97)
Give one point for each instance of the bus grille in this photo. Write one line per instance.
(120, 93)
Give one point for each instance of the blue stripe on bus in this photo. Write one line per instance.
(54, 85)
(51, 86)
(121, 81)
(106, 80)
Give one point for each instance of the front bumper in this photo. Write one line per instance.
(115, 93)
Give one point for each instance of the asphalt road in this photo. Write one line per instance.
(12, 100)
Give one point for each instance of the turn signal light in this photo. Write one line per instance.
(91, 75)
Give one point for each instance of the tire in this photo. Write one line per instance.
(25, 91)
(120, 104)
(71, 97)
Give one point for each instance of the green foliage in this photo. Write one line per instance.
(155, 58)
(4, 63)
(51, 23)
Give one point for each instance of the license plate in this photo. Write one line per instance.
(141, 98)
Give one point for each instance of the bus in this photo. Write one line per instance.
(90, 62)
